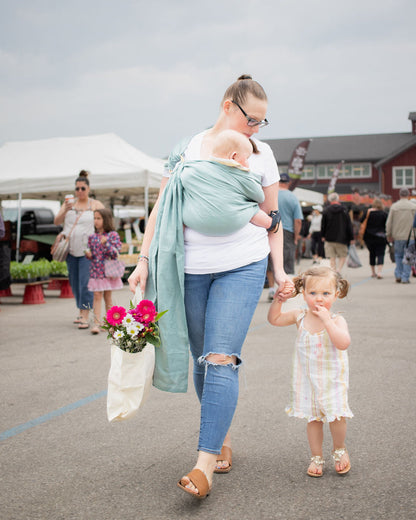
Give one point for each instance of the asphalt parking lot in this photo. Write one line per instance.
(61, 459)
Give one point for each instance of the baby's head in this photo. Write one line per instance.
(322, 274)
(230, 144)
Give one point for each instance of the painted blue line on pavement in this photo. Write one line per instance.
(68, 408)
(51, 415)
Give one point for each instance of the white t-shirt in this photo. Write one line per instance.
(207, 254)
(315, 223)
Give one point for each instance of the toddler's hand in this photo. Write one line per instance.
(103, 240)
(322, 313)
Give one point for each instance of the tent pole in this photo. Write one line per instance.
(19, 213)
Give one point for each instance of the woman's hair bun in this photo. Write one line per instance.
(245, 76)
(84, 173)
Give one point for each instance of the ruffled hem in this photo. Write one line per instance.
(324, 418)
(105, 284)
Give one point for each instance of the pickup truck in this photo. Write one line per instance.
(37, 225)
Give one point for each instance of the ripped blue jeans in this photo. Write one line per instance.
(219, 308)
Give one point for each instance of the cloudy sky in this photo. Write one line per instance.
(155, 71)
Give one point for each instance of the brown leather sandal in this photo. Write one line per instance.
(199, 480)
(227, 455)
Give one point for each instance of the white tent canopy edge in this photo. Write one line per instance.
(48, 168)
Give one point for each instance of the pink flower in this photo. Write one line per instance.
(145, 312)
(115, 315)
(148, 310)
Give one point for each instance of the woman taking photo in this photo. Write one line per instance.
(224, 277)
(77, 217)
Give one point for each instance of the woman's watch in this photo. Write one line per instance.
(276, 218)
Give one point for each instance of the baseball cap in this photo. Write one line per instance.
(284, 177)
(318, 207)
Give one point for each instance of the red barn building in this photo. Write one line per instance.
(378, 164)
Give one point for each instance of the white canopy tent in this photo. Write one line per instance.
(48, 168)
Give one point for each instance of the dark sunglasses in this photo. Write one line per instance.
(250, 120)
(82, 188)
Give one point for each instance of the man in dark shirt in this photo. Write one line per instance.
(337, 233)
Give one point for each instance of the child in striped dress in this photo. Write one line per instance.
(320, 368)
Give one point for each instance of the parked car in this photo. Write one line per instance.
(34, 221)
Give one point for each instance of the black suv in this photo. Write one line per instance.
(34, 221)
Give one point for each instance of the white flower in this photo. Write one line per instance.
(132, 330)
(117, 334)
(128, 320)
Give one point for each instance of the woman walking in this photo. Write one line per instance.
(375, 237)
(77, 218)
(223, 281)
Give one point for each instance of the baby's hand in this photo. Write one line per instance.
(103, 240)
(322, 313)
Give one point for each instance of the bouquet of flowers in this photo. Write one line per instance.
(131, 329)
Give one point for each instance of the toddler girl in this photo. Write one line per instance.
(104, 244)
(320, 368)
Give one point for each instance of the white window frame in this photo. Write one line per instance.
(329, 170)
(396, 170)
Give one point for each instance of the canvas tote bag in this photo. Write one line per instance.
(129, 379)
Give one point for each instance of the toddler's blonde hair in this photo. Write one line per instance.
(341, 284)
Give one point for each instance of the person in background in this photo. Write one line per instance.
(104, 244)
(77, 217)
(303, 249)
(398, 226)
(320, 363)
(375, 237)
(317, 246)
(224, 279)
(292, 217)
(5, 257)
(337, 233)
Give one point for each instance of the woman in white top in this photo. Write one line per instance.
(317, 246)
(77, 217)
(224, 277)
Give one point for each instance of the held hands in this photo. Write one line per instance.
(285, 288)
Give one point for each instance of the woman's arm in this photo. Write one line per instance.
(140, 274)
(285, 285)
(96, 204)
(63, 210)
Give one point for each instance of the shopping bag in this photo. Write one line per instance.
(60, 248)
(409, 257)
(130, 378)
(129, 381)
(114, 268)
(353, 259)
